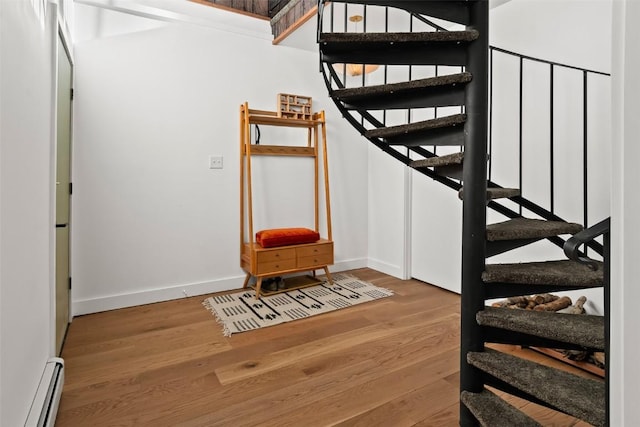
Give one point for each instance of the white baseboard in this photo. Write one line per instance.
(113, 302)
(386, 268)
(351, 264)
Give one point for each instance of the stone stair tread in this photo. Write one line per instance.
(526, 228)
(557, 273)
(426, 125)
(450, 10)
(491, 410)
(496, 193)
(580, 329)
(402, 37)
(348, 94)
(435, 47)
(436, 161)
(583, 398)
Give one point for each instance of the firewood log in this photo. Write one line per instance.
(545, 298)
(599, 359)
(512, 302)
(556, 305)
(577, 308)
(518, 300)
(579, 355)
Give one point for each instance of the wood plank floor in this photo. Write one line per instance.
(391, 362)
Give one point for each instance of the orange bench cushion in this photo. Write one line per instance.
(286, 236)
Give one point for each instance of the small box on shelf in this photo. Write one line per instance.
(294, 106)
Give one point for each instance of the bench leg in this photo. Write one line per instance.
(326, 271)
(246, 281)
(258, 286)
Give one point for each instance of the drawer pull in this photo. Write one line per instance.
(277, 266)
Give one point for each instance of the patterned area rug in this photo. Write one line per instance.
(241, 312)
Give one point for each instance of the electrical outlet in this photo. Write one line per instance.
(215, 162)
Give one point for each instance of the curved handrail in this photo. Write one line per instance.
(545, 61)
(428, 22)
(319, 20)
(571, 247)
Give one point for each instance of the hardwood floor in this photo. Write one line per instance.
(391, 362)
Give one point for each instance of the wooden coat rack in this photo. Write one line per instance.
(261, 262)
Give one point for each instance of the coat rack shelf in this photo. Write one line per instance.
(268, 262)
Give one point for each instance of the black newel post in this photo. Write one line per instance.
(474, 203)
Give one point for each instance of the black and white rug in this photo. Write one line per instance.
(241, 311)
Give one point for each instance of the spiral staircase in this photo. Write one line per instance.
(457, 36)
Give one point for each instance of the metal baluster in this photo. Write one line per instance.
(520, 135)
(585, 196)
(490, 140)
(551, 147)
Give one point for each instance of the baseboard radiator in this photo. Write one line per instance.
(45, 404)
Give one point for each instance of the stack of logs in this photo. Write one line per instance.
(544, 302)
(549, 302)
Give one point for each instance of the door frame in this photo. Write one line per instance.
(61, 35)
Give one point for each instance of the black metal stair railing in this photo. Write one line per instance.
(545, 204)
(364, 120)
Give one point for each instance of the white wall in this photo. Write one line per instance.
(386, 213)
(625, 270)
(151, 221)
(27, 40)
(436, 234)
(575, 32)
